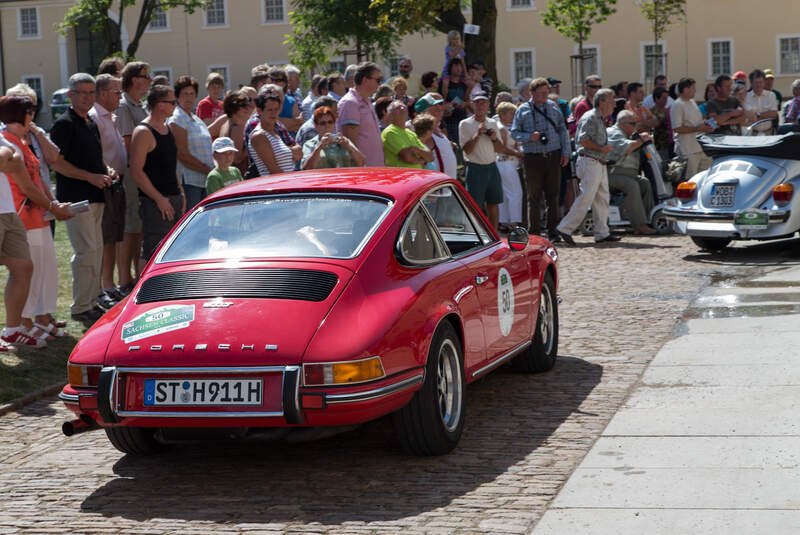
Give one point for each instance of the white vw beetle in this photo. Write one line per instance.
(751, 191)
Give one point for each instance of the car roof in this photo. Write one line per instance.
(398, 184)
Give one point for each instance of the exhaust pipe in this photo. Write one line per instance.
(81, 425)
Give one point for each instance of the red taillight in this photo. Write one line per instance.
(686, 190)
(783, 193)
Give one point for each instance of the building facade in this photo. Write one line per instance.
(718, 37)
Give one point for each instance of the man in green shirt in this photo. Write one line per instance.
(401, 146)
(224, 173)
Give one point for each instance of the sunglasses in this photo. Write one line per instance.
(324, 123)
(594, 86)
(173, 102)
(379, 79)
(280, 80)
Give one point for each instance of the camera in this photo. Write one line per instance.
(543, 139)
(489, 132)
(334, 138)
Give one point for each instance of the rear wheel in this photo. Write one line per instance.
(432, 422)
(711, 244)
(135, 440)
(541, 354)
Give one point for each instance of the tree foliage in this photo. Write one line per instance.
(574, 18)
(95, 13)
(661, 14)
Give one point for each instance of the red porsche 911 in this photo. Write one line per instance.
(318, 299)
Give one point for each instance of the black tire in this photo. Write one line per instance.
(135, 440)
(432, 422)
(711, 244)
(541, 354)
(662, 224)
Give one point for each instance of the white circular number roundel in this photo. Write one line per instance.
(505, 301)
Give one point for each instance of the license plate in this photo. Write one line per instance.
(203, 392)
(722, 195)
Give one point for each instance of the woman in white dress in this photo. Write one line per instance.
(510, 211)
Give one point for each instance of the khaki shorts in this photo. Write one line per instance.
(13, 237)
(133, 222)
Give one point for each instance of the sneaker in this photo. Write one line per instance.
(18, 338)
(113, 293)
(105, 301)
(126, 289)
(5, 347)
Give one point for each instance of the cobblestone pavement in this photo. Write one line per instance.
(525, 433)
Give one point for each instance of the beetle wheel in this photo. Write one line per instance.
(432, 422)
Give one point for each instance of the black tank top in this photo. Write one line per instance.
(161, 163)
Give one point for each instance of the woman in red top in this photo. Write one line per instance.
(17, 113)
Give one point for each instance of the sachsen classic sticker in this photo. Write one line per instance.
(158, 321)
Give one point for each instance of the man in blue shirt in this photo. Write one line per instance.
(540, 127)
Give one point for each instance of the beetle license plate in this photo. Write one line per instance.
(722, 195)
(191, 392)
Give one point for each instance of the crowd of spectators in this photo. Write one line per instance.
(133, 153)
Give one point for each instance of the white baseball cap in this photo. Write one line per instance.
(223, 144)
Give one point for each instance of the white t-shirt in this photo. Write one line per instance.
(686, 113)
(483, 152)
(761, 103)
(6, 199)
(449, 162)
(649, 102)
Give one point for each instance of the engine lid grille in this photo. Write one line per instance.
(271, 283)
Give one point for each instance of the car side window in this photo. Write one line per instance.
(458, 230)
(419, 243)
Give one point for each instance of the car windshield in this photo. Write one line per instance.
(334, 226)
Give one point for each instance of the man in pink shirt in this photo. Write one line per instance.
(357, 120)
(108, 91)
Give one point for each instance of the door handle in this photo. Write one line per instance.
(480, 279)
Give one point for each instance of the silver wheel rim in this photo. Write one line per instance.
(546, 319)
(448, 385)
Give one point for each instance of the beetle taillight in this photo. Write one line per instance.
(686, 190)
(782, 193)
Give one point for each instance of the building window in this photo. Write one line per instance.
(336, 65)
(789, 54)
(523, 64)
(394, 66)
(519, 4)
(274, 11)
(162, 71)
(215, 13)
(653, 59)
(29, 23)
(36, 82)
(721, 57)
(159, 20)
(221, 69)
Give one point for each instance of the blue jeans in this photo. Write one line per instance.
(194, 195)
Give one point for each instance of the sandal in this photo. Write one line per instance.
(38, 334)
(51, 329)
(57, 323)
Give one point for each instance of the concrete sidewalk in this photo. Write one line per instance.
(709, 441)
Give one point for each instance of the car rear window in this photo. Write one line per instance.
(335, 226)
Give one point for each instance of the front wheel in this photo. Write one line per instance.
(135, 440)
(541, 354)
(711, 244)
(432, 422)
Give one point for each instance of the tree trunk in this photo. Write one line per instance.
(482, 46)
(148, 6)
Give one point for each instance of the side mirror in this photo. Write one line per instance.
(518, 239)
